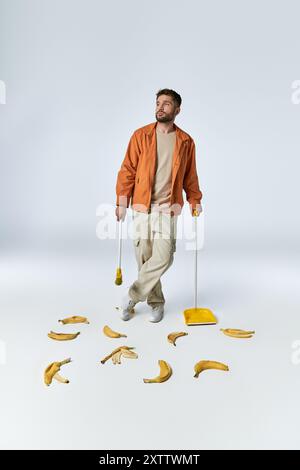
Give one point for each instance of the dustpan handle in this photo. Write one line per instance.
(196, 267)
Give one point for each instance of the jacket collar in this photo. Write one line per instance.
(180, 134)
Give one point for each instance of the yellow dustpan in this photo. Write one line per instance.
(197, 315)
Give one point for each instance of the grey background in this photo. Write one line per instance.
(80, 78)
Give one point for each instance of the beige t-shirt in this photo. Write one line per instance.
(161, 189)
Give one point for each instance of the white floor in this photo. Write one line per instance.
(254, 405)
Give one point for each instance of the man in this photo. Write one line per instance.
(159, 163)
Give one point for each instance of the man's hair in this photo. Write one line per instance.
(166, 91)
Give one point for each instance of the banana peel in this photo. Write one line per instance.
(115, 351)
(74, 319)
(63, 336)
(165, 372)
(51, 372)
(206, 365)
(127, 353)
(172, 337)
(236, 333)
(111, 333)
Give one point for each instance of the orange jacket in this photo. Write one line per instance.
(136, 175)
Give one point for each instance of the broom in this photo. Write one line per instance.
(119, 280)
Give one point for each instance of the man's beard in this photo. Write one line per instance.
(164, 117)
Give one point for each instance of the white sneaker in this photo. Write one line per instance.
(127, 305)
(157, 314)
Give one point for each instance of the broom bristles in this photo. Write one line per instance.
(118, 280)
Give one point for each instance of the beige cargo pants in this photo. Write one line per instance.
(154, 238)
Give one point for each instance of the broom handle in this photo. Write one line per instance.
(196, 253)
(120, 244)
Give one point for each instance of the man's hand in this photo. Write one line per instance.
(196, 211)
(121, 213)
